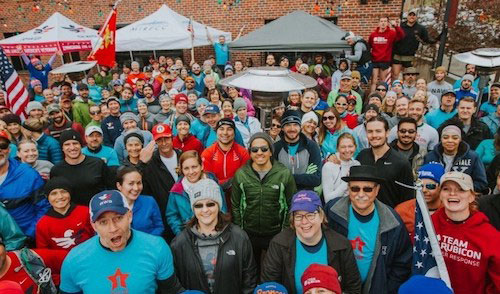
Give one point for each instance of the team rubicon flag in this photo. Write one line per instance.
(104, 51)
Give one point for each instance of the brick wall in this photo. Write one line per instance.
(17, 15)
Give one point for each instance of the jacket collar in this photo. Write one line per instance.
(56, 214)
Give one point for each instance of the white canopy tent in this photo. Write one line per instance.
(57, 33)
(164, 29)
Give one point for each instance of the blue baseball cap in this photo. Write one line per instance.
(433, 171)
(193, 292)
(212, 108)
(270, 288)
(108, 200)
(305, 200)
(422, 284)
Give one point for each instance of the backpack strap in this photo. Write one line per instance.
(34, 266)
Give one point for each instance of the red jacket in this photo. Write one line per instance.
(51, 258)
(351, 120)
(381, 43)
(56, 231)
(470, 251)
(189, 143)
(224, 164)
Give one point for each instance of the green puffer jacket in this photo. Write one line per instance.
(261, 207)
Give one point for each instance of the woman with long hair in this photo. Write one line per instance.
(179, 210)
(332, 173)
(211, 254)
(468, 242)
(331, 127)
(389, 103)
(48, 147)
(146, 213)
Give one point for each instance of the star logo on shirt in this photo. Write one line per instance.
(358, 244)
(118, 278)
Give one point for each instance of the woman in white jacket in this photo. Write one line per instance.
(246, 125)
(333, 185)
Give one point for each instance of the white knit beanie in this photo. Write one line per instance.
(205, 189)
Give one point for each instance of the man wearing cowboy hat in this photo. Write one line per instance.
(410, 75)
(379, 238)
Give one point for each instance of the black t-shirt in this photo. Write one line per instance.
(87, 178)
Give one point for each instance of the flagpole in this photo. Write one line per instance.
(192, 40)
(100, 40)
(436, 251)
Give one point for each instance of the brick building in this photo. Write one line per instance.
(21, 15)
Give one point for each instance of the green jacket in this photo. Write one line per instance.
(101, 81)
(261, 207)
(81, 112)
(10, 233)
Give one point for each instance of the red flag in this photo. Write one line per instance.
(104, 52)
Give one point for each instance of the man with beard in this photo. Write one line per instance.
(439, 86)
(389, 164)
(466, 89)
(410, 81)
(19, 189)
(298, 153)
(427, 136)
(81, 106)
(94, 148)
(88, 175)
(111, 125)
(207, 134)
(139, 89)
(59, 123)
(152, 103)
(405, 143)
(446, 111)
(224, 157)
(471, 70)
(189, 85)
(198, 77)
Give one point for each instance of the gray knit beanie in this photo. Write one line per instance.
(205, 189)
(264, 136)
(128, 116)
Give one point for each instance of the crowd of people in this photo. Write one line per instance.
(157, 179)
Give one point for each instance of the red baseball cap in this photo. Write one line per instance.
(320, 276)
(10, 287)
(161, 131)
(180, 98)
(4, 135)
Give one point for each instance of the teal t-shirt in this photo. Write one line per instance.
(292, 149)
(91, 268)
(221, 53)
(363, 232)
(307, 255)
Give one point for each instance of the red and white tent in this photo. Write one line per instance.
(57, 33)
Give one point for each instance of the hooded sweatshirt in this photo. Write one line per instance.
(383, 42)
(470, 251)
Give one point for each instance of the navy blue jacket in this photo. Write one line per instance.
(112, 128)
(466, 161)
(391, 264)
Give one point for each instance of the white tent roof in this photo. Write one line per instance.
(164, 29)
(57, 33)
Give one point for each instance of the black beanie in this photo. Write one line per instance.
(57, 183)
(70, 135)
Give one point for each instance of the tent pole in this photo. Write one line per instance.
(62, 58)
(154, 54)
(131, 56)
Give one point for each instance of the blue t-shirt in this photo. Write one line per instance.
(107, 154)
(221, 53)
(363, 232)
(307, 255)
(292, 149)
(91, 268)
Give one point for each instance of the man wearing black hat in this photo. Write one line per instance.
(81, 106)
(390, 165)
(298, 153)
(379, 238)
(88, 175)
(446, 111)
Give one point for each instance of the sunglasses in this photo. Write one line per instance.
(332, 117)
(94, 112)
(4, 145)
(169, 80)
(261, 148)
(341, 104)
(430, 186)
(381, 90)
(201, 205)
(276, 126)
(356, 189)
(351, 102)
(404, 131)
(189, 82)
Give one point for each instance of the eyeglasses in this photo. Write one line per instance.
(332, 117)
(94, 112)
(261, 148)
(404, 131)
(201, 205)
(382, 90)
(411, 74)
(309, 216)
(341, 104)
(356, 189)
(430, 186)
(276, 126)
(351, 102)
(4, 145)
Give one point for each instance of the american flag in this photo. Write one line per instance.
(17, 95)
(427, 257)
(190, 27)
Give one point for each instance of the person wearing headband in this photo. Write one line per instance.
(456, 155)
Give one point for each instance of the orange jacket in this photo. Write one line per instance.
(224, 164)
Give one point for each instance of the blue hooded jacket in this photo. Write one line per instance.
(466, 161)
(49, 149)
(146, 216)
(20, 195)
(179, 210)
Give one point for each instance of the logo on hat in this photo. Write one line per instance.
(302, 197)
(105, 197)
(160, 129)
(311, 281)
(197, 194)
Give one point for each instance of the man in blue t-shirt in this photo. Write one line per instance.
(118, 259)
(379, 238)
(221, 49)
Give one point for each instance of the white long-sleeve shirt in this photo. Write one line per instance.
(331, 174)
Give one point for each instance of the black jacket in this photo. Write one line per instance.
(490, 205)
(391, 167)
(279, 263)
(235, 270)
(157, 182)
(478, 130)
(415, 34)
